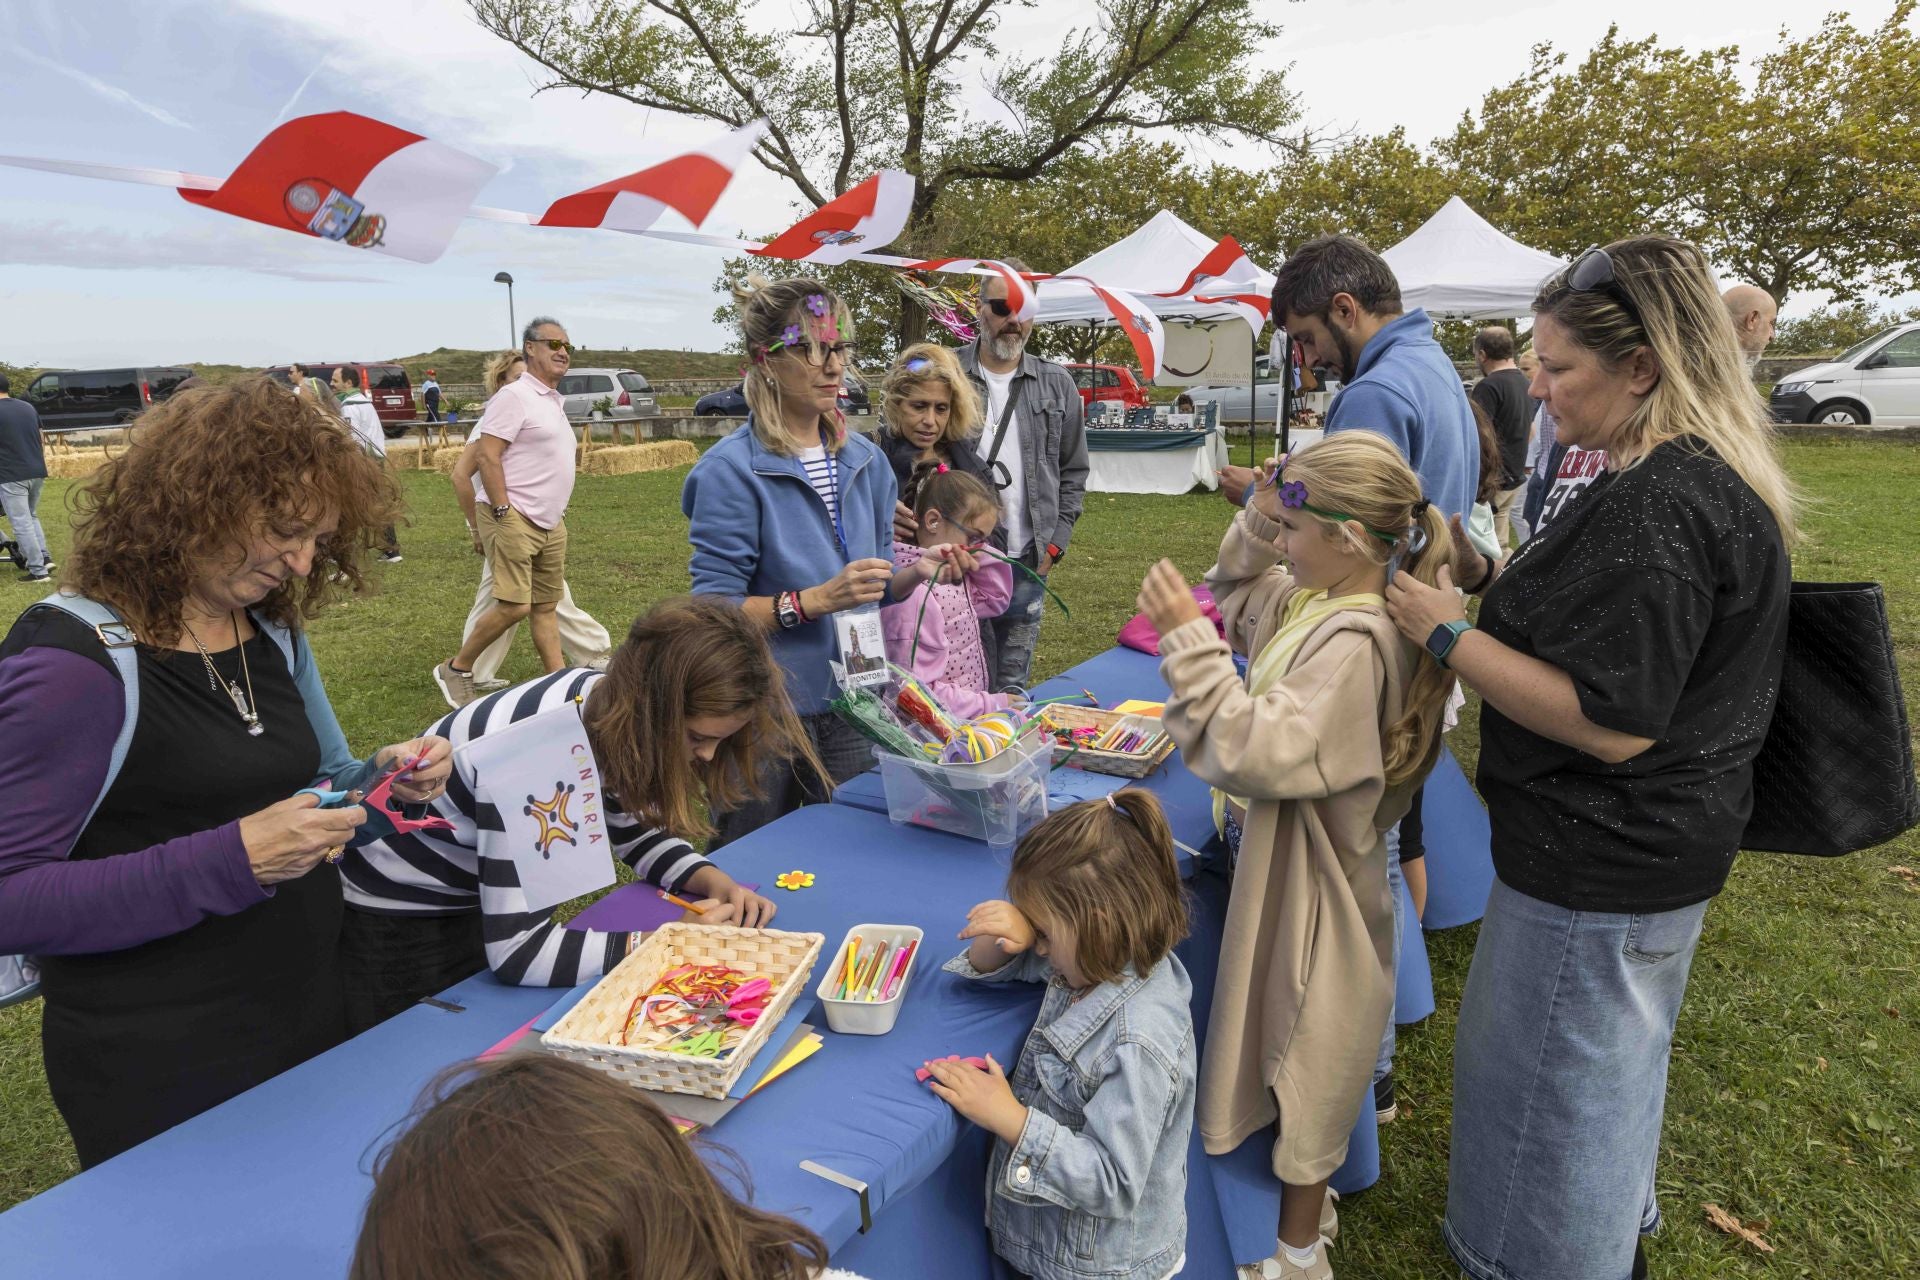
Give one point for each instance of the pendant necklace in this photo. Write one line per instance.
(242, 699)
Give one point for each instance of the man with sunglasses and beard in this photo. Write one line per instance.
(1034, 441)
(524, 482)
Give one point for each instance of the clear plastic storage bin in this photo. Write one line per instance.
(870, 1017)
(995, 801)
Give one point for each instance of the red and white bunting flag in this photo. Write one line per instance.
(689, 184)
(342, 176)
(1224, 266)
(1021, 294)
(872, 214)
(1139, 323)
(1253, 307)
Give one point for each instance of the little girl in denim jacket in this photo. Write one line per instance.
(1089, 1169)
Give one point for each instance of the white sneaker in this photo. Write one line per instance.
(488, 686)
(455, 686)
(1281, 1267)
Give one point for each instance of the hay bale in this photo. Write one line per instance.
(73, 464)
(626, 459)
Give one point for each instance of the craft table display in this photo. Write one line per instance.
(1124, 460)
(273, 1182)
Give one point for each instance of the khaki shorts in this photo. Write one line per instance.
(529, 563)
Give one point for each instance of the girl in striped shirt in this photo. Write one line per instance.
(690, 707)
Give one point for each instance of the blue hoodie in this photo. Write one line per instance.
(758, 528)
(1405, 388)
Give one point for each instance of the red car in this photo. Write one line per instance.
(1108, 382)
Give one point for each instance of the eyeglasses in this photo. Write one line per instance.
(557, 344)
(974, 537)
(1592, 272)
(818, 356)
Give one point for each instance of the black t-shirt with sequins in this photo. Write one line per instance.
(1662, 591)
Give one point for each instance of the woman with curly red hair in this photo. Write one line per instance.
(186, 922)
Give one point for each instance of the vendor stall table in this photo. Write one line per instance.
(1126, 460)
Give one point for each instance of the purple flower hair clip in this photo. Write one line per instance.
(791, 336)
(817, 304)
(1293, 495)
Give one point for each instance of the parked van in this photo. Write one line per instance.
(75, 399)
(1873, 382)
(387, 385)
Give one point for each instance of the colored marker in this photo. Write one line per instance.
(905, 963)
(879, 967)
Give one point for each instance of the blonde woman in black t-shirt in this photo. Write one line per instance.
(1628, 657)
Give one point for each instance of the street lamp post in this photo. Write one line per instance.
(513, 327)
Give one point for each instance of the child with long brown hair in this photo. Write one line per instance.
(537, 1168)
(1091, 1130)
(934, 631)
(691, 709)
(1313, 758)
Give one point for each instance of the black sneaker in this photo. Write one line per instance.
(1384, 1106)
(1639, 1260)
(391, 557)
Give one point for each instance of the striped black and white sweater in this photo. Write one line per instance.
(440, 873)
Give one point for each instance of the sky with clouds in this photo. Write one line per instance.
(99, 273)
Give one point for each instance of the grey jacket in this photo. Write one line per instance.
(1052, 425)
(1097, 1184)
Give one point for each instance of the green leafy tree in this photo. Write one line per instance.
(1831, 330)
(1808, 179)
(866, 84)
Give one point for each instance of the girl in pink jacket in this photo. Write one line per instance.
(935, 631)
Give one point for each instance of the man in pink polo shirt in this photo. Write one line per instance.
(525, 481)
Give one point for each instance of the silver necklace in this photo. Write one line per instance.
(242, 700)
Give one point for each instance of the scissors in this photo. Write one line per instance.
(753, 993)
(377, 800)
(708, 1044)
(328, 799)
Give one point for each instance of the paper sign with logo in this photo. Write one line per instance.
(539, 776)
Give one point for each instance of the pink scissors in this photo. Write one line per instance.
(752, 993)
(377, 800)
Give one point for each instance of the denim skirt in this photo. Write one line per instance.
(1559, 1086)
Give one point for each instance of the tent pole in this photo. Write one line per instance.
(1286, 391)
(1253, 397)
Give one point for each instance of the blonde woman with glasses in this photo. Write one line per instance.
(1629, 657)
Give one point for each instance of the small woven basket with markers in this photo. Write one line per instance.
(1079, 750)
(591, 1031)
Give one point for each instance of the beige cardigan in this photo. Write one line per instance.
(1306, 962)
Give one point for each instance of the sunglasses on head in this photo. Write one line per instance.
(1592, 272)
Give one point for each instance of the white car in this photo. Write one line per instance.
(1872, 382)
(627, 394)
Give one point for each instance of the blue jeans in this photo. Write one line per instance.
(1559, 1086)
(1397, 887)
(20, 500)
(1011, 637)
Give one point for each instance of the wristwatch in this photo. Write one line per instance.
(785, 611)
(1445, 636)
(500, 512)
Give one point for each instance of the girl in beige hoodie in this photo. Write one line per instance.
(1313, 758)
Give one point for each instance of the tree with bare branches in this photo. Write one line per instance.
(870, 84)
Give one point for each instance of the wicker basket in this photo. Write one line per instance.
(590, 1031)
(1119, 763)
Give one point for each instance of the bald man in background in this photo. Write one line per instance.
(1753, 311)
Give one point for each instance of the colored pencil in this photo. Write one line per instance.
(845, 962)
(678, 901)
(879, 967)
(893, 977)
(905, 963)
(853, 961)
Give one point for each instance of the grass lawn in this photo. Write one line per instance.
(1795, 1089)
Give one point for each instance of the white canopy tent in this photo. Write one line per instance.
(1205, 342)
(1459, 266)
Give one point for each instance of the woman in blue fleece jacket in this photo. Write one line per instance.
(792, 516)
